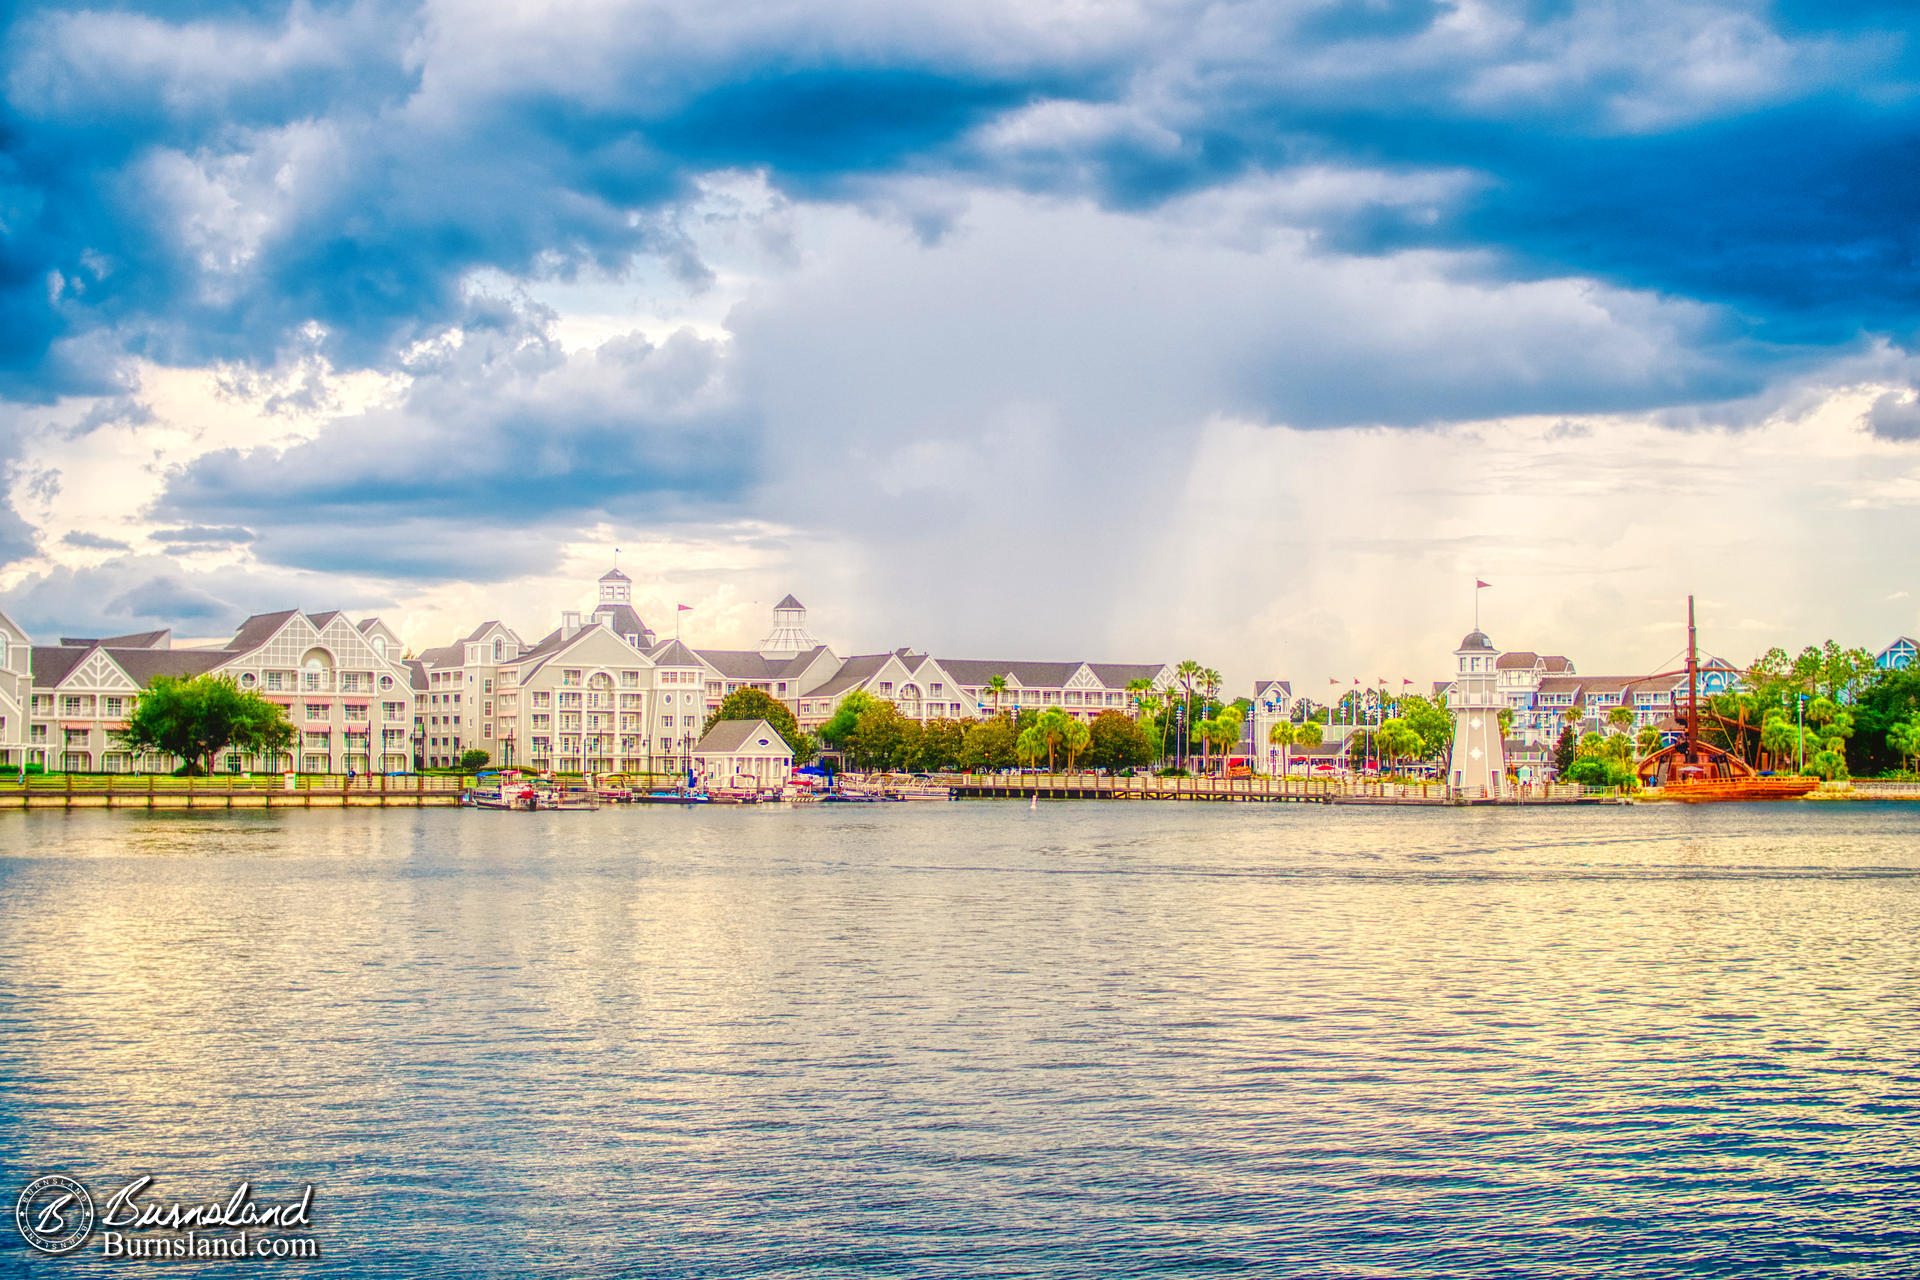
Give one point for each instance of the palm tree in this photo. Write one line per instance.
(1621, 718)
(1077, 738)
(1030, 745)
(1283, 736)
(996, 685)
(1052, 726)
(1140, 690)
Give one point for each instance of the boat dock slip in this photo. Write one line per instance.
(263, 791)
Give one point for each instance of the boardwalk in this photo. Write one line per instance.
(1094, 786)
(161, 791)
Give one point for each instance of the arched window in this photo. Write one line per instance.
(499, 648)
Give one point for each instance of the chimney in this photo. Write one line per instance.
(569, 623)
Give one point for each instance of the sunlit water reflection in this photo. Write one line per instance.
(977, 1039)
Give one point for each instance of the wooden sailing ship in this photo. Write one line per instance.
(1696, 771)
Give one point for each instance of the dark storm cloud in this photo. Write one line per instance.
(205, 179)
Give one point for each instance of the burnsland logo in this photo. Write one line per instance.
(56, 1215)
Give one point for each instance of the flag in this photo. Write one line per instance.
(684, 608)
(1406, 682)
(1477, 584)
(1331, 680)
(1383, 682)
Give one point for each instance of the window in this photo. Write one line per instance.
(486, 686)
(570, 677)
(357, 711)
(486, 708)
(276, 680)
(316, 711)
(70, 706)
(499, 649)
(114, 706)
(886, 686)
(541, 698)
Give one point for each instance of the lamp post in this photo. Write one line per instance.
(1800, 714)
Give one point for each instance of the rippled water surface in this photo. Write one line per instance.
(977, 1039)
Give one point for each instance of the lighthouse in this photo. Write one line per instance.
(1478, 767)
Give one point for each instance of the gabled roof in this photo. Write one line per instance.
(1518, 660)
(417, 671)
(750, 664)
(482, 629)
(145, 664)
(734, 735)
(1118, 675)
(625, 622)
(673, 653)
(853, 672)
(138, 640)
(1029, 675)
(614, 575)
(788, 602)
(365, 625)
(446, 655)
(53, 663)
(1267, 688)
(257, 630)
(1557, 662)
(320, 620)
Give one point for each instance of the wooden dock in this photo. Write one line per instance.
(161, 791)
(1095, 786)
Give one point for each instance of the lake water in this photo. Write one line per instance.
(980, 1039)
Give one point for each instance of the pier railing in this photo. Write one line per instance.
(1101, 786)
(261, 790)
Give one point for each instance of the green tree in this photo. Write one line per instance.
(1565, 751)
(834, 732)
(1117, 743)
(989, 744)
(1309, 733)
(1052, 726)
(1904, 739)
(1505, 719)
(1649, 741)
(1432, 722)
(997, 686)
(1077, 737)
(1030, 745)
(758, 704)
(1780, 736)
(1829, 764)
(880, 737)
(474, 758)
(1621, 718)
(1283, 735)
(196, 719)
(1397, 739)
(940, 746)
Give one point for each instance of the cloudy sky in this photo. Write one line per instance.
(1128, 329)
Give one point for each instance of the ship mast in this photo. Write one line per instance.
(1693, 691)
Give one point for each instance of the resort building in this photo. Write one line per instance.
(16, 691)
(342, 685)
(1897, 656)
(742, 753)
(1272, 704)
